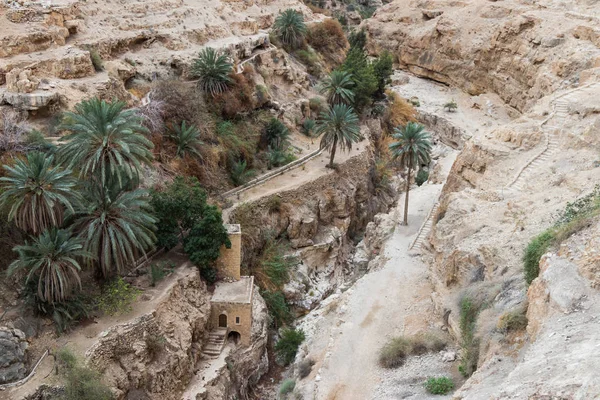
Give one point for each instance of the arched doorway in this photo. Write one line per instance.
(234, 337)
(223, 321)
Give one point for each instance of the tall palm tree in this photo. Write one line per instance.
(413, 148)
(212, 70)
(338, 88)
(187, 139)
(116, 225)
(105, 140)
(339, 125)
(37, 192)
(289, 27)
(52, 259)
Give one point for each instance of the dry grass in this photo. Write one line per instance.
(239, 99)
(328, 38)
(399, 112)
(395, 352)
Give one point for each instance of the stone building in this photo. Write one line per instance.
(231, 302)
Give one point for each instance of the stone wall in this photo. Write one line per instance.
(229, 261)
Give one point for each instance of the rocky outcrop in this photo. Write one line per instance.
(157, 352)
(514, 49)
(13, 357)
(321, 221)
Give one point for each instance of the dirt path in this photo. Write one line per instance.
(390, 302)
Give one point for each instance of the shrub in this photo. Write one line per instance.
(240, 98)
(328, 38)
(316, 105)
(441, 385)
(240, 173)
(276, 134)
(65, 359)
(287, 346)
(534, 251)
(305, 367)
(399, 113)
(155, 344)
(513, 321)
(451, 106)
(581, 207)
(96, 59)
(274, 204)
(83, 383)
(308, 127)
(278, 307)
(262, 93)
(212, 71)
(35, 140)
(422, 176)
(158, 271)
(287, 387)
(358, 39)
(470, 345)
(310, 59)
(117, 297)
(275, 266)
(393, 354)
(290, 28)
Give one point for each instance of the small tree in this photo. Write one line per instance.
(187, 139)
(204, 242)
(177, 208)
(290, 28)
(212, 71)
(338, 126)
(287, 346)
(382, 68)
(363, 75)
(451, 106)
(276, 134)
(413, 148)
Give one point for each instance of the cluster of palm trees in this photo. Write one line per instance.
(81, 203)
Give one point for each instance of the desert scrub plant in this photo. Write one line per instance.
(440, 385)
(287, 346)
(117, 297)
(212, 71)
(310, 59)
(290, 28)
(316, 105)
(65, 359)
(96, 59)
(469, 343)
(80, 381)
(187, 139)
(329, 40)
(513, 321)
(534, 251)
(305, 367)
(394, 353)
(399, 112)
(451, 106)
(287, 387)
(274, 204)
(276, 134)
(422, 176)
(158, 271)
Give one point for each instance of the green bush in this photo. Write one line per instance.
(308, 127)
(117, 297)
(470, 344)
(441, 385)
(382, 68)
(81, 382)
(534, 251)
(240, 173)
(310, 59)
(363, 75)
(159, 270)
(96, 59)
(422, 176)
(65, 359)
(287, 346)
(316, 105)
(278, 307)
(287, 387)
(451, 106)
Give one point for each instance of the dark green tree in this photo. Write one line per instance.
(412, 148)
(363, 75)
(276, 134)
(204, 242)
(382, 67)
(177, 209)
(287, 346)
(358, 39)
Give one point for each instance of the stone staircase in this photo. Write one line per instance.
(423, 233)
(215, 344)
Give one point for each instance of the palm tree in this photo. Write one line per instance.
(212, 70)
(51, 259)
(338, 124)
(338, 88)
(413, 148)
(289, 27)
(37, 192)
(116, 225)
(105, 139)
(187, 139)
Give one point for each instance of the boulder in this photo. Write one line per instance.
(13, 348)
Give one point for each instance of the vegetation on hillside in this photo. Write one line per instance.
(338, 127)
(212, 71)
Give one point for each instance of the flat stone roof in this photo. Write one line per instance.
(234, 292)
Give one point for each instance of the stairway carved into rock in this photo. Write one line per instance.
(425, 229)
(215, 344)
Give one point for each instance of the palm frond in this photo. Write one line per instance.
(212, 70)
(289, 27)
(187, 139)
(339, 124)
(337, 87)
(413, 145)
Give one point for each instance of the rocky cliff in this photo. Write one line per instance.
(520, 50)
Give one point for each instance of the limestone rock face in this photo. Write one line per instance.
(515, 49)
(13, 347)
(21, 81)
(127, 357)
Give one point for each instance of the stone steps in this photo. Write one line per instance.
(425, 229)
(215, 343)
